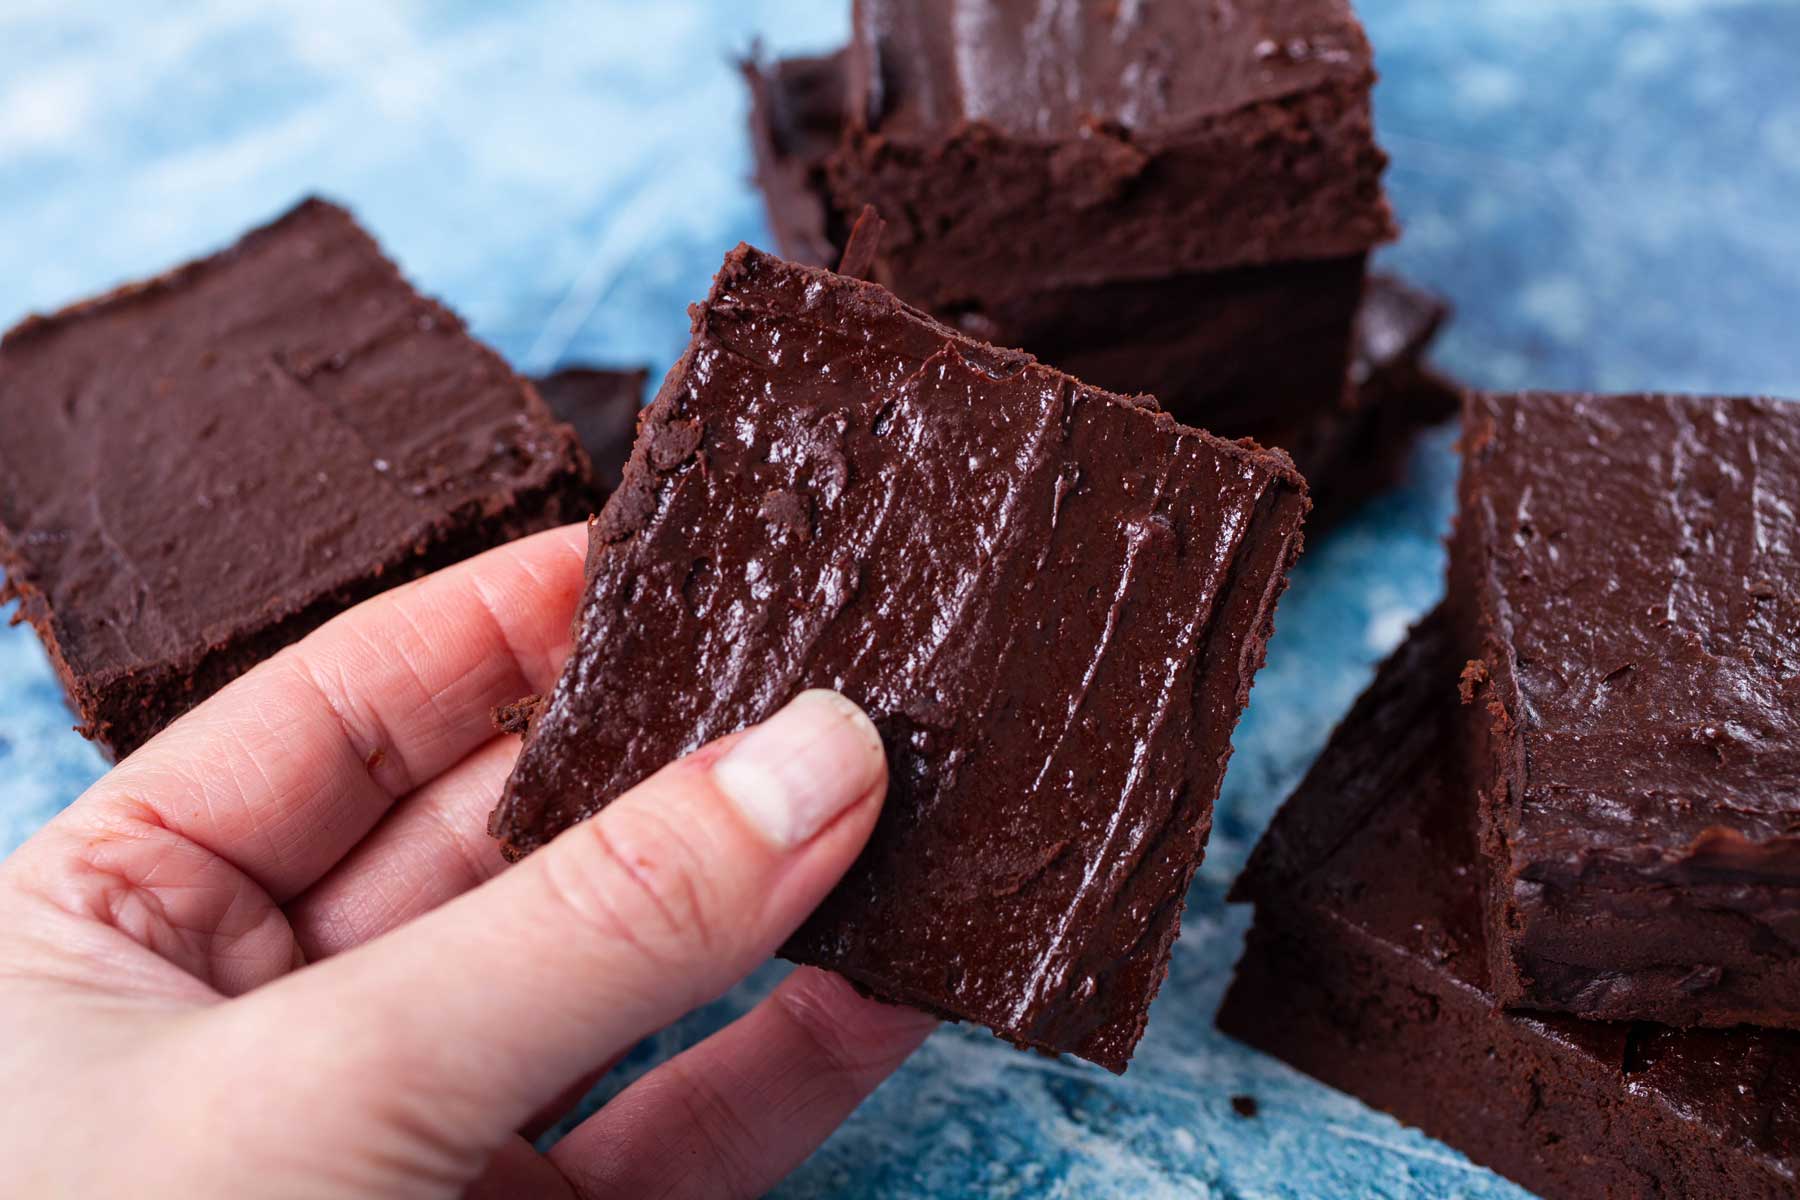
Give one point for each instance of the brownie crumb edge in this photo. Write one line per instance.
(516, 716)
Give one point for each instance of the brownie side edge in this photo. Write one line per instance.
(956, 208)
(1365, 968)
(121, 710)
(1493, 753)
(1353, 1014)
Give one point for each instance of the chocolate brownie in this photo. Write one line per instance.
(1367, 967)
(1256, 350)
(1625, 578)
(796, 118)
(1241, 352)
(1018, 146)
(200, 468)
(1356, 450)
(601, 405)
(1051, 599)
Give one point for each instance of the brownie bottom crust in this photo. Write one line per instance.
(1366, 968)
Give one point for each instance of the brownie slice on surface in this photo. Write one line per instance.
(1051, 599)
(1367, 967)
(1018, 146)
(601, 405)
(199, 469)
(1625, 583)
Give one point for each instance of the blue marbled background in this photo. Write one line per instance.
(1607, 188)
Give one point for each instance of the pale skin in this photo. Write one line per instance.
(274, 952)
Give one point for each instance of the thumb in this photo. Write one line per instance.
(485, 1009)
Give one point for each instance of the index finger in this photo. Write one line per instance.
(287, 767)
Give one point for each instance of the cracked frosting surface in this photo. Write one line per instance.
(1051, 600)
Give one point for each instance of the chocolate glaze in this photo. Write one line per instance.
(1626, 580)
(200, 468)
(601, 405)
(1368, 967)
(1051, 599)
(1021, 144)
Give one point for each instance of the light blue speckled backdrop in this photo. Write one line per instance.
(1610, 190)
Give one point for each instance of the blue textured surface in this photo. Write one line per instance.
(1607, 189)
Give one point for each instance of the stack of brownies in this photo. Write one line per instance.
(1174, 199)
(1541, 894)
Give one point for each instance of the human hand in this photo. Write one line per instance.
(274, 952)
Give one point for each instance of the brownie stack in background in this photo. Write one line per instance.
(601, 405)
(1170, 199)
(1541, 894)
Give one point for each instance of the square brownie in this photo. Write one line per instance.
(1051, 600)
(1018, 146)
(1367, 967)
(601, 404)
(201, 468)
(1625, 582)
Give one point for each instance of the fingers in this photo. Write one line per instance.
(488, 1006)
(519, 1170)
(429, 850)
(742, 1109)
(288, 767)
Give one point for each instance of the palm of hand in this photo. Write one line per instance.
(273, 952)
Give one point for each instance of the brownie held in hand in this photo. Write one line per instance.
(1368, 968)
(1051, 599)
(1625, 582)
(199, 469)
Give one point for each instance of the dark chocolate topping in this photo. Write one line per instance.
(1057, 69)
(1645, 555)
(195, 459)
(1050, 599)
